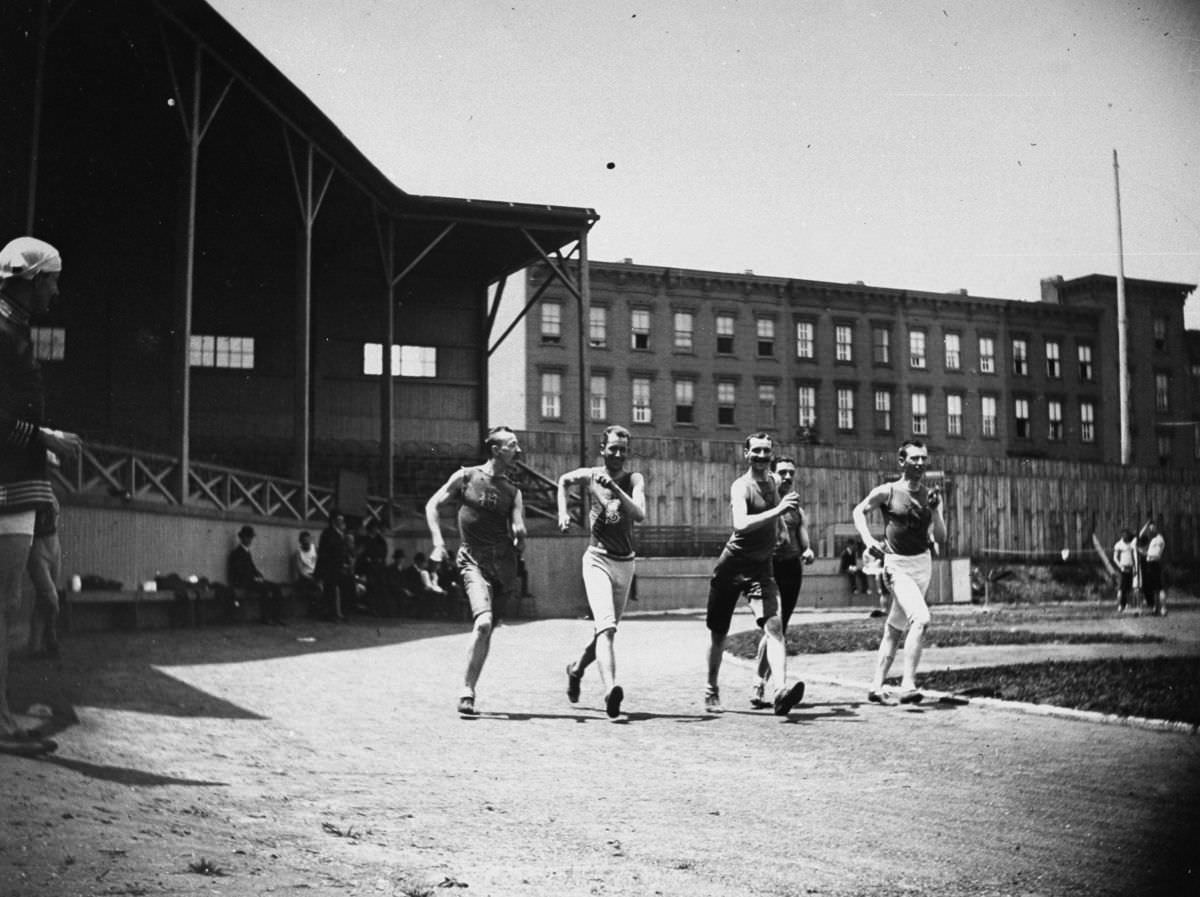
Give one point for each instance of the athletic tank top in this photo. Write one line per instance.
(486, 509)
(611, 526)
(757, 544)
(906, 518)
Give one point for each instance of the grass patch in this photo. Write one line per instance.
(1158, 688)
(993, 629)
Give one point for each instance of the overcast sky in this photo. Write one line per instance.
(909, 144)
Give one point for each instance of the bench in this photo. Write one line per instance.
(102, 609)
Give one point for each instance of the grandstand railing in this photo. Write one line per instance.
(131, 475)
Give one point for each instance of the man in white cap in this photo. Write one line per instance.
(29, 270)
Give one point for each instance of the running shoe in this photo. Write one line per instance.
(466, 706)
(574, 681)
(712, 700)
(787, 698)
(612, 703)
(912, 696)
(877, 697)
(757, 701)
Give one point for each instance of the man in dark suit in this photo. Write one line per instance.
(244, 574)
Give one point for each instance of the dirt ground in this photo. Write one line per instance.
(338, 766)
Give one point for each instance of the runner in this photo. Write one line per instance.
(792, 553)
(618, 501)
(912, 520)
(491, 526)
(744, 568)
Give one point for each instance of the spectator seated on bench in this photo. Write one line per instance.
(245, 575)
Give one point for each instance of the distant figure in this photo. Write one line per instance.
(852, 566)
(244, 574)
(372, 561)
(433, 596)
(491, 526)
(1153, 587)
(335, 568)
(304, 571)
(401, 595)
(1125, 558)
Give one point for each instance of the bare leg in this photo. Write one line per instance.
(760, 659)
(585, 659)
(606, 659)
(912, 655)
(716, 650)
(481, 643)
(887, 653)
(776, 651)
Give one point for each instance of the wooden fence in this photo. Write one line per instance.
(1022, 506)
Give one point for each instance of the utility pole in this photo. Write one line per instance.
(1122, 330)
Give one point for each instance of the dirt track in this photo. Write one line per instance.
(310, 768)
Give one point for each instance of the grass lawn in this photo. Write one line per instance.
(1153, 688)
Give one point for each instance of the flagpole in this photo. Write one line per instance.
(1122, 329)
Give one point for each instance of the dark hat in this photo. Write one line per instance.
(246, 532)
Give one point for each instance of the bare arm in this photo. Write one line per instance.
(875, 500)
(745, 522)
(571, 478)
(517, 522)
(449, 491)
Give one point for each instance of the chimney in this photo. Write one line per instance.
(1051, 287)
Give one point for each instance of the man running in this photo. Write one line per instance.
(491, 526)
(912, 520)
(618, 501)
(792, 553)
(744, 568)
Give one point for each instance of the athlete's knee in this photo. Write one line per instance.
(773, 626)
(484, 623)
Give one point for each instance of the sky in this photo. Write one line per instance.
(919, 145)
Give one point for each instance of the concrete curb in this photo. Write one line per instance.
(1049, 710)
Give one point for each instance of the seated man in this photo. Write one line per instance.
(244, 574)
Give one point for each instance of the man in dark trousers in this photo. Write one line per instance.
(244, 574)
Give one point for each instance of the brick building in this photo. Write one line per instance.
(712, 355)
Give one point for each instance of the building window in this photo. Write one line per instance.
(641, 400)
(954, 415)
(49, 343)
(766, 337)
(920, 413)
(222, 352)
(1020, 358)
(843, 342)
(806, 406)
(1054, 417)
(1087, 422)
(407, 361)
(1021, 418)
(684, 326)
(881, 345)
(639, 325)
(987, 355)
(987, 415)
(724, 334)
(551, 395)
(1053, 359)
(916, 349)
(1164, 448)
(845, 409)
(805, 344)
(766, 405)
(1162, 392)
(597, 326)
(726, 402)
(883, 411)
(1160, 334)
(551, 323)
(685, 402)
(598, 397)
(953, 346)
(1086, 369)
